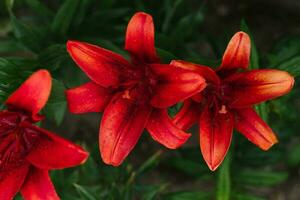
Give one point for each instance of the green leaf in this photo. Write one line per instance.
(293, 157)
(246, 197)
(166, 56)
(13, 72)
(10, 45)
(56, 106)
(40, 9)
(64, 17)
(31, 37)
(150, 192)
(224, 182)
(169, 14)
(150, 163)
(84, 193)
(82, 11)
(53, 56)
(291, 65)
(9, 4)
(261, 178)
(187, 166)
(195, 195)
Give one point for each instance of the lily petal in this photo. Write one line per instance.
(140, 38)
(206, 72)
(33, 94)
(215, 136)
(54, 152)
(162, 130)
(88, 97)
(174, 85)
(255, 86)
(188, 115)
(121, 126)
(11, 181)
(102, 66)
(248, 122)
(38, 185)
(237, 53)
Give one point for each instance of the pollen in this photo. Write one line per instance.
(223, 110)
(126, 94)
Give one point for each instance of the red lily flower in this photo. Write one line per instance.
(27, 152)
(133, 95)
(227, 101)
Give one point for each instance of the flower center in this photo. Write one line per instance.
(141, 87)
(15, 140)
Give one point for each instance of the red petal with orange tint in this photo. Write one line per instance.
(237, 53)
(121, 126)
(164, 131)
(248, 122)
(38, 185)
(33, 94)
(206, 72)
(102, 66)
(140, 38)
(215, 136)
(11, 181)
(89, 97)
(255, 86)
(188, 115)
(54, 152)
(174, 85)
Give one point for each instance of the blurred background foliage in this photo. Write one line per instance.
(33, 34)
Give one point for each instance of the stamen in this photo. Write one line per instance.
(126, 95)
(223, 110)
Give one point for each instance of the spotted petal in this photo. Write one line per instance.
(11, 181)
(248, 122)
(255, 86)
(121, 126)
(33, 94)
(89, 97)
(174, 85)
(237, 53)
(54, 152)
(164, 131)
(102, 66)
(38, 185)
(140, 39)
(215, 136)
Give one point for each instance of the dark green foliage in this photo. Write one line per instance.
(33, 34)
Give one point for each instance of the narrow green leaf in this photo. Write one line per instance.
(149, 163)
(224, 182)
(9, 5)
(10, 45)
(261, 178)
(52, 57)
(166, 56)
(195, 195)
(169, 14)
(64, 17)
(247, 197)
(293, 157)
(291, 65)
(85, 194)
(56, 106)
(31, 37)
(40, 9)
(82, 11)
